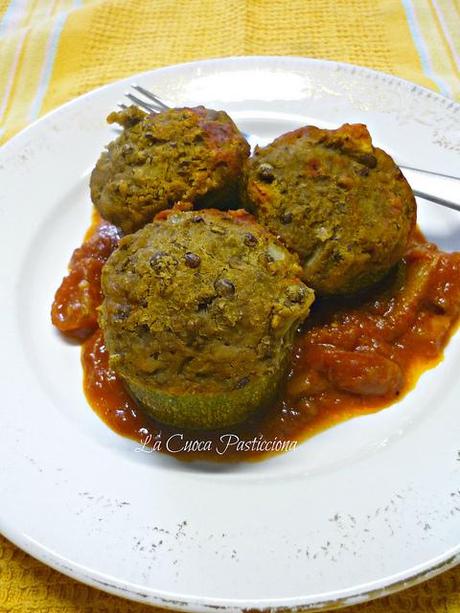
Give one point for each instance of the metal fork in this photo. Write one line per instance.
(153, 104)
(432, 186)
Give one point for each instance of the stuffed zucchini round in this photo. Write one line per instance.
(339, 202)
(192, 154)
(199, 314)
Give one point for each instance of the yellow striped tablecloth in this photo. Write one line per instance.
(54, 50)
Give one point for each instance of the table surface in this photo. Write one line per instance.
(54, 50)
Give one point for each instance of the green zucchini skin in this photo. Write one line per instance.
(208, 411)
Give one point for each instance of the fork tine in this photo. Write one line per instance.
(144, 105)
(151, 96)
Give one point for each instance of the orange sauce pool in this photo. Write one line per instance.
(353, 356)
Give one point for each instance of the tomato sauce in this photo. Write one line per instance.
(353, 356)
(74, 309)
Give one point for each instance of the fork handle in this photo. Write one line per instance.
(437, 188)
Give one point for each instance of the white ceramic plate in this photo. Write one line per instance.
(364, 508)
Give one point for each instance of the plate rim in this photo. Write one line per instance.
(235, 58)
(194, 604)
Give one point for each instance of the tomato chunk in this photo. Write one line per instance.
(74, 310)
(360, 372)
